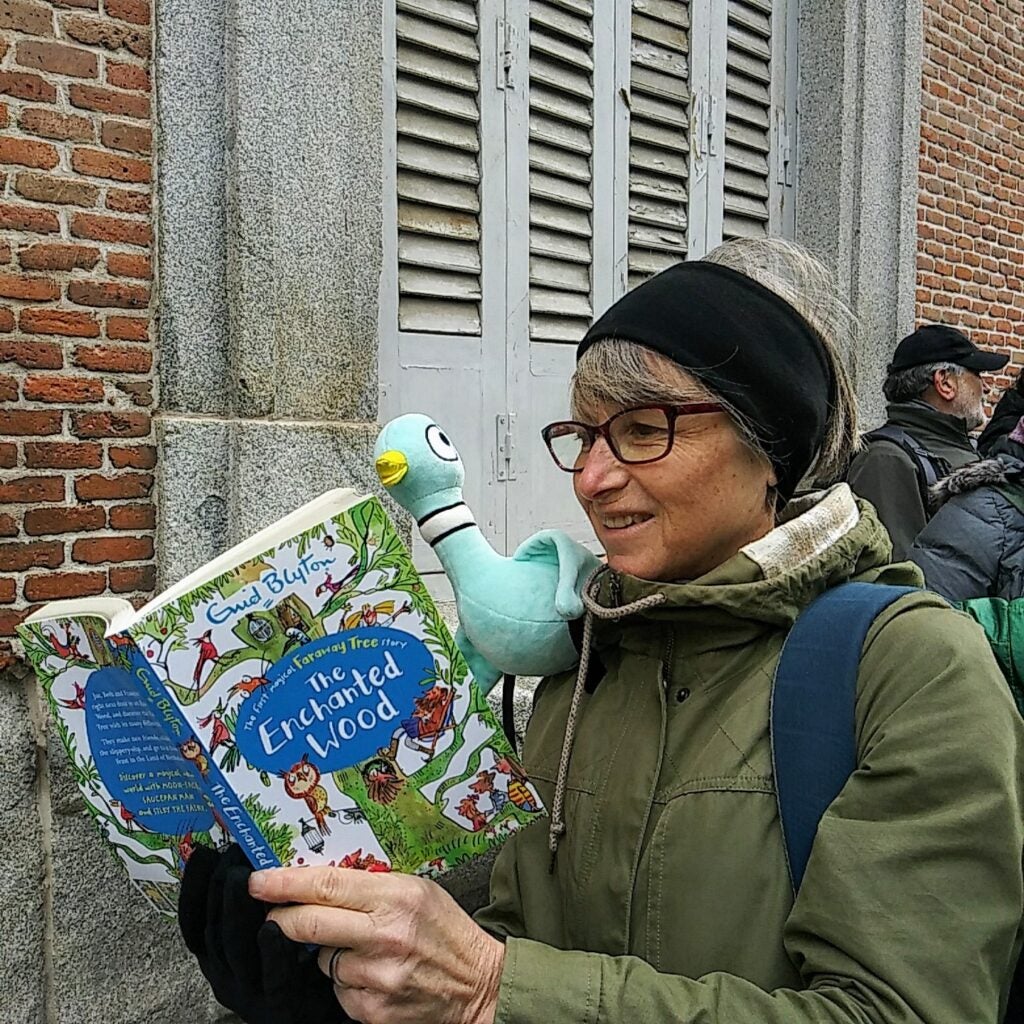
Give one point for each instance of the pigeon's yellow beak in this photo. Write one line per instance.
(391, 467)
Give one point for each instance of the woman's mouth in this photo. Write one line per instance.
(623, 522)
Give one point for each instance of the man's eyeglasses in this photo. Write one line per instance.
(635, 436)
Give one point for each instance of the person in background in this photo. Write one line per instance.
(935, 397)
(1005, 417)
(973, 546)
(658, 888)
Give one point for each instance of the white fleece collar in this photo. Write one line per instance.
(831, 515)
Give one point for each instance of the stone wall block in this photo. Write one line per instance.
(22, 862)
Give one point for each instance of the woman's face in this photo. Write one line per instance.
(677, 518)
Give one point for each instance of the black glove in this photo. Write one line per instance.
(252, 967)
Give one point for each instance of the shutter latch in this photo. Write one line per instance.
(783, 147)
(504, 55)
(506, 445)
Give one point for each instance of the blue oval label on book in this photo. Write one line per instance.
(336, 701)
(153, 788)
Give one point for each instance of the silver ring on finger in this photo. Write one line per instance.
(332, 967)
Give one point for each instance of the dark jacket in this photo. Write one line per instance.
(1007, 412)
(974, 544)
(887, 477)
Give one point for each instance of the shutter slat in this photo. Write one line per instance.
(438, 135)
(561, 174)
(748, 111)
(658, 136)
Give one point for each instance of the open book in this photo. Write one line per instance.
(300, 693)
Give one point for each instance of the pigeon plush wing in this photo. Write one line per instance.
(575, 563)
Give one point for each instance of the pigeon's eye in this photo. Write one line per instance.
(440, 445)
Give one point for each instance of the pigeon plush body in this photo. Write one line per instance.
(514, 612)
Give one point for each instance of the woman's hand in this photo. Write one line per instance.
(409, 955)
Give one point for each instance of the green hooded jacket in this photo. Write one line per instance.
(669, 899)
(1003, 622)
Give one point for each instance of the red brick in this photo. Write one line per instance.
(100, 550)
(132, 517)
(28, 489)
(19, 286)
(107, 293)
(52, 125)
(44, 188)
(25, 86)
(5, 252)
(111, 229)
(55, 585)
(43, 522)
(8, 388)
(128, 202)
(128, 328)
(114, 359)
(63, 455)
(70, 390)
(9, 620)
(108, 101)
(101, 488)
(129, 137)
(141, 456)
(106, 165)
(92, 5)
(33, 355)
(46, 256)
(8, 593)
(31, 555)
(136, 577)
(28, 218)
(67, 322)
(8, 526)
(141, 392)
(5, 116)
(99, 32)
(8, 455)
(109, 424)
(128, 76)
(28, 153)
(57, 59)
(123, 264)
(135, 11)
(26, 16)
(6, 319)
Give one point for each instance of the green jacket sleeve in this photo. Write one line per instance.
(911, 904)
(885, 476)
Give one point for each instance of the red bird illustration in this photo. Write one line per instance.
(220, 736)
(186, 847)
(78, 702)
(68, 649)
(126, 816)
(248, 685)
(207, 654)
(357, 861)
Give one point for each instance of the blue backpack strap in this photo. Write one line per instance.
(813, 729)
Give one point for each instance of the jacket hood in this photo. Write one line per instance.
(1003, 469)
(825, 538)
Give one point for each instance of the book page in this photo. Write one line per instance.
(322, 680)
(144, 797)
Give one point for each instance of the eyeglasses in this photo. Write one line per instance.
(635, 436)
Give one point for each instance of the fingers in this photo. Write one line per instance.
(192, 897)
(328, 887)
(325, 926)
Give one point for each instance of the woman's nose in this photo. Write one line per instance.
(601, 472)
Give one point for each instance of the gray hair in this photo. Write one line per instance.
(623, 373)
(906, 385)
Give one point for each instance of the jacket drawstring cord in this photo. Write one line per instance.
(556, 828)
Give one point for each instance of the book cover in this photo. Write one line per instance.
(111, 718)
(321, 680)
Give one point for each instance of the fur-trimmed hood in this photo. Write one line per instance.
(988, 473)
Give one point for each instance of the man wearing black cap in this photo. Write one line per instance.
(935, 394)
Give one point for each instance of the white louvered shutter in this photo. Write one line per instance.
(748, 109)
(438, 179)
(561, 170)
(658, 135)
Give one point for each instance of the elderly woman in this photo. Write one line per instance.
(659, 892)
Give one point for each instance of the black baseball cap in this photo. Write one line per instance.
(937, 343)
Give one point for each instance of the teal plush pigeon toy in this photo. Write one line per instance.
(513, 612)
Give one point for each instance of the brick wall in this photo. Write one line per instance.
(971, 211)
(76, 349)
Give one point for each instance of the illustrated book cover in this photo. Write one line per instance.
(300, 692)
